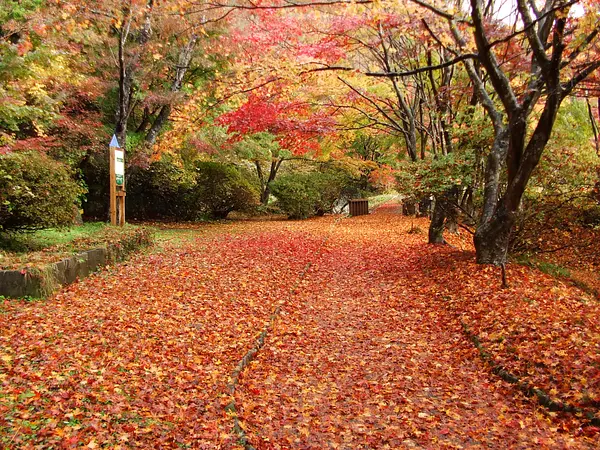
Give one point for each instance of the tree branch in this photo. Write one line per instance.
(488, 59)
(575, 53)
(537, 46)
(393, 122)
(568, 87)
(287, 5)
(424, 68)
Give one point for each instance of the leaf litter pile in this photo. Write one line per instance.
(372, 347)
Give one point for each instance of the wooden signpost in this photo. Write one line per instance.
(117, 182)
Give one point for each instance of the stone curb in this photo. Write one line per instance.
(42, 282)
(36, 283)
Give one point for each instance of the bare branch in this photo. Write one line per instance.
(581, 47)
(434, 9)
(392, 121)
(568, 87)
(253, 6)
(327, 68)
(425, 68)
(537, 46)
(488, 59)
(97, 12)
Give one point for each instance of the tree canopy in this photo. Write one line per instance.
(460, 100)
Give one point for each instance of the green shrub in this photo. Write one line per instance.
(222, 188)
(161, 191)
(95, 172)
(295, 197)
(36, 192)
(303, 195)
(331, 185)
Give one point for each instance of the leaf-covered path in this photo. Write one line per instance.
(364, 357)
(368, 350)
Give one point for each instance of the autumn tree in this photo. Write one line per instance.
(154, 52)
(557, 52)
(365, 50)
(34, 76)
(520, 73)
(271, 130)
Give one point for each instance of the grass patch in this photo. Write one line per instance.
(554, 270)
(36, 249)
(33, 241)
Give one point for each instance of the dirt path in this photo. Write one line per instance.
(363, 354)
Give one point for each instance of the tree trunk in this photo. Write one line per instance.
(145, 121)
(185, 57)
(159, 122)
(444, 216)
(593, 124)
(127, 67)
(436, 227)
(261, 180)
(125, 95)
(265, 194)
(452, 221)
(452, 210)
(409, 208)
(466, 203)
(424, 207)
(411, 138)
(266, 186)
(492, 238)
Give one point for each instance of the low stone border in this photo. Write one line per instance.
(41, 283)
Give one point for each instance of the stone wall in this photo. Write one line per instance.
(39, 283)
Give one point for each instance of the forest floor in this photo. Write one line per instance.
(373, 339)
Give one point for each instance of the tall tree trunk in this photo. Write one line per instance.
(127, 66)
(125, 90)
(265, 194)
(275, 165)
(263, 184)
(411, 136)
(466, 202)
(145, 120)
(266, 183)
(436, 226)
(451, 223)
(492, 237)
(444, 215)
(593, 124)
(423, 134)
(185, 57)
(157, 125)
